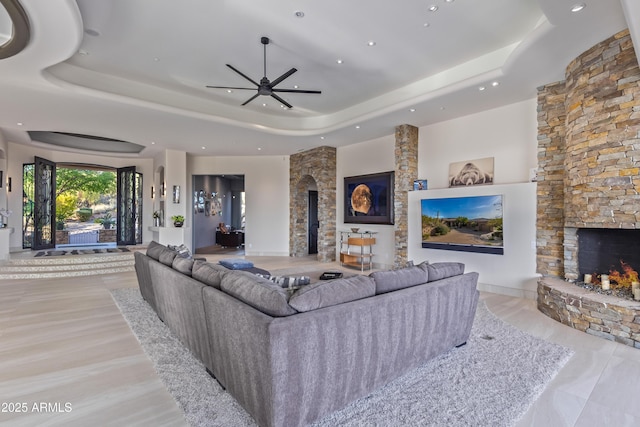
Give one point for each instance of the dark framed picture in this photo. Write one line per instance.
(368, 199)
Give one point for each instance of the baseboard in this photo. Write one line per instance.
(531, 294)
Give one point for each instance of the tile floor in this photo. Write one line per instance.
(64, 344)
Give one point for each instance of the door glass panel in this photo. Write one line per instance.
(28, 197)
(45, 204)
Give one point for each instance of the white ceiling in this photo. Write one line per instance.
(137, 70)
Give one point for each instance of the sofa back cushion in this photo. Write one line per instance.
(392, 280)
(154, 249)
(442, 270)
(183, 265)
(207, 273)
(257, 292)
(167, 256)
(332, 292)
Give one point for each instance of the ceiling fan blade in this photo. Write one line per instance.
(282, 77)
(282, 101)
(230, 87)
(296, 91)
(251, 99)
(242, 74)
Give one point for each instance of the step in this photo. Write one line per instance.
(66, 266)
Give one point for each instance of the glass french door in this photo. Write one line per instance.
(39, 205)
(129, 203)
(44, 209)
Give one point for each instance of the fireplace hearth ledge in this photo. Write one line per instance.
(604, 316)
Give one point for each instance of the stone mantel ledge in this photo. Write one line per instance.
(604, 316)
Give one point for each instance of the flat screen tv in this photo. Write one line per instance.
(469, 224)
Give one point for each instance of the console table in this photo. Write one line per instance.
(233, 239)
(356, 249)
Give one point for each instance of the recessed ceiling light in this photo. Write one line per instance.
(295, 86)
(578, 7)
(481, 88)
(357, 126)
(264, 105)
(299, 14)
(449, 1)
(153, 143)
(19, 123)
(204, 148)
(413, 110)
(322, 137)
(259, 148)
(83, 52)
(442, 108)
(433, 8)
(91, 32)
(494, 84)
(371, 43)
(426, 24)
(156, 59)
(229, 91)
(339, 61)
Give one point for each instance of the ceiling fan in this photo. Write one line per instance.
(266, 87)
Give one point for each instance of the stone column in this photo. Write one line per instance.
(314, 166)
(406, 171)
(550, 177)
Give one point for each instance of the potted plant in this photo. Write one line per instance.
(178, 220)
(107, 221)
(156, 218)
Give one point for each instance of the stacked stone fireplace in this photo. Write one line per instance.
(589, 179)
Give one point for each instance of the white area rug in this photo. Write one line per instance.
(491, 381)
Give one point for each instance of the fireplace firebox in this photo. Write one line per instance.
(604, 250)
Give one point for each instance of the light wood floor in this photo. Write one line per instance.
(64, 344)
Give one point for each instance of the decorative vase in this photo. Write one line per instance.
(178, 223)
(156, 222)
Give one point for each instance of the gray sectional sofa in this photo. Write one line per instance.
(290, 359)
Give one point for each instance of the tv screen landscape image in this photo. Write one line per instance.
(469, 224)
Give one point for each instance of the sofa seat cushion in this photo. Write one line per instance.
(332, 292)
(236, 263)
(208, 273)
(257, 292)
(392, 280)
(442, 270)
(183, 265)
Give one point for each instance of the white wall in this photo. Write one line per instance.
(266, 180)
(20, 154)
(513, 273)
(509, 134)
(361, 159)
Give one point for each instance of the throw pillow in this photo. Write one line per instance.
(332, 292)
(442, 270)
(287, 281)
(392, 280)
(182, 250)
(236, 263)
(257, 292)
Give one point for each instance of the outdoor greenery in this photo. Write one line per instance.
(78, 189)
